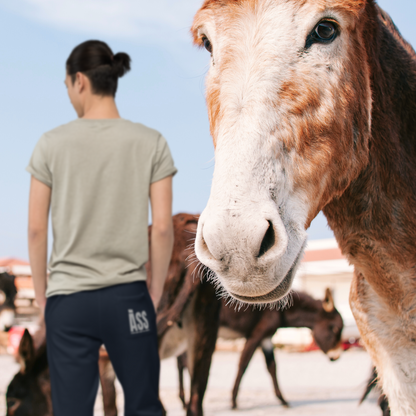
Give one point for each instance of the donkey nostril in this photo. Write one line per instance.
(268, 240)
(204, 245)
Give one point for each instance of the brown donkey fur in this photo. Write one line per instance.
(353, 159)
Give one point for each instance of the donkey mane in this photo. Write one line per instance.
(350, 5)
(394, 30)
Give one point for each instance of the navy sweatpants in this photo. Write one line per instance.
(122, 318)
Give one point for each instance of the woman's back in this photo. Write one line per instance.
(100, 172)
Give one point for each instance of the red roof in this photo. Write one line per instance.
(9, 262)
(321, 255)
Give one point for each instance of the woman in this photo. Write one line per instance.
(96, 175)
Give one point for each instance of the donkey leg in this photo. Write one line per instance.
(107, 378)
(263, 329)
(201, 323)
(249, 348)
(181, 361)
(268, 351)
(390, 338)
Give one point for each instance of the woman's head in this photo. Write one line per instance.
(93, 67)
(96, 60)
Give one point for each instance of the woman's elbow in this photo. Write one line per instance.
(36, 234)
(163, 230)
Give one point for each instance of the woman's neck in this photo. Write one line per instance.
(99, 107)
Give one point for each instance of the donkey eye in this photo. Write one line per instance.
(207, 44)
(326, 31)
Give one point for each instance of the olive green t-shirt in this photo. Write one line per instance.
(100, 173)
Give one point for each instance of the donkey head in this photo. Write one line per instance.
(29, 393)
(328, 328)
(289, 102)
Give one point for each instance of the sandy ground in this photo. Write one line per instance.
(309, 381)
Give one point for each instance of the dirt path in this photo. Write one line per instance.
(309, 381)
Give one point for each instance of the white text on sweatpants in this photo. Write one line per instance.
(138, 322)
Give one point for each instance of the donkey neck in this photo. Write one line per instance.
(374, 219)
(303, 313)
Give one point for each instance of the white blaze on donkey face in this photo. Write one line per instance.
(275, 123)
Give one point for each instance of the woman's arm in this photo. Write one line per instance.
(162, 235)
(39, 202)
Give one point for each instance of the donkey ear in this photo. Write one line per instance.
(26, 352)
(328, 302)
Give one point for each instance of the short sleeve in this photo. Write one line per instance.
(163, 165)
(38, 164)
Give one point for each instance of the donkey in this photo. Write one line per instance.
(188, 313)
(29, 392)
(312, 106)
(258, 326)
(8, 294)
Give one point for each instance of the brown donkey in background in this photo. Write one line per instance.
(258, 326)
(188, 314)
(312, 106)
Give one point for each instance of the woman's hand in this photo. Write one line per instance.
(155, 300)
(41, 301)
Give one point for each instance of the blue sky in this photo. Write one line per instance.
(164, 90)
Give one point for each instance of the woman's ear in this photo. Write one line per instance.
(79, 82)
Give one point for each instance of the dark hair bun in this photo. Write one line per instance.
(95, 59)
(121, 63)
